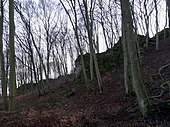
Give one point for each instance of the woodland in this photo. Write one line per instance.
(85, 63)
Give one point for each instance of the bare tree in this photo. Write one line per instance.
(157, 25)
(87, 14)
(102, 22)
(74, 23)
(27, 44)
(128, 33)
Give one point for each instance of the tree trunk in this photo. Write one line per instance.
(136, 36)
(147, 24)
(2, 62)
(168, 5)
(91, 66)
(157, 26)
(138, 86)
(12, 76)
(126, 65)
(88, 21)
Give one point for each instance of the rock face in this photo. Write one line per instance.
(60, 81)
(162, 34)
(107, 60)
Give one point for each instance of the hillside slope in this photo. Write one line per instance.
(69, 105)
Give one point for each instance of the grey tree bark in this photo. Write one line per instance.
(136, 29)
(168, 5)
(128, 32)
(12, 76)
(126, 65)
(2, 62)
(147, 24)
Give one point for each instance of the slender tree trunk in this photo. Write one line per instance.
(91, 66)
(88, 21)
(168, 5)
(97, 42)
(41, 82)
(147, 24)
(7, 67)
(2, 62)
(126, 64)
(104, 33)
(165, 30)
(82, 61)
(102, 22)
(75, 27)
(99, 80)
(157, 26)
(92, 52)
(31, 83)
(41, 60)
(34, 71)
(58, 67)
(12, 76)
(138, 86)
(136, 36)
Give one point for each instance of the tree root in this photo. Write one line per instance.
(164, 88)
(159, 73)
(161, 68)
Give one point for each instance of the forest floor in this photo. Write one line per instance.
(69, 105)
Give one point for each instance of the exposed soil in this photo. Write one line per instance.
(69, 105)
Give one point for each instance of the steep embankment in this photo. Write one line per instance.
(70, 106)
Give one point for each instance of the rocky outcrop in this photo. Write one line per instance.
(32, 87)
(107, 60)
(162, 34)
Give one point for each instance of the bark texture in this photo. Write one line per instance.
(129, 34)
(2, 62)
(12, 78)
